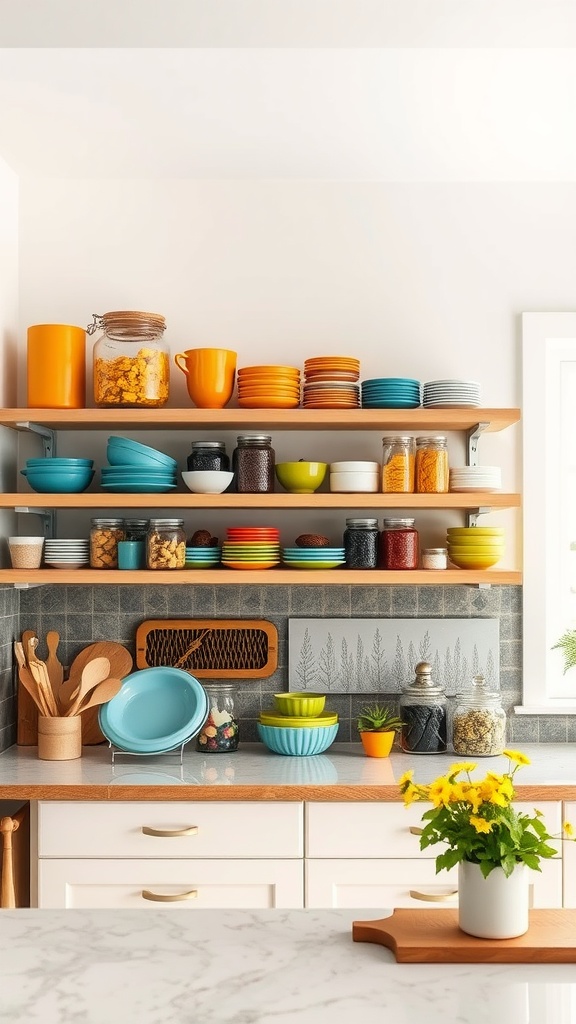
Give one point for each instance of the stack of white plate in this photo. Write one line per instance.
(66, 554)
(475, 478)
(451, 394)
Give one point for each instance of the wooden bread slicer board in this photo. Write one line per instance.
(433, 936)
(209, 648)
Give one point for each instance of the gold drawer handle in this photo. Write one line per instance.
(433, 897)
(192, 830)
(157, 897)
(415, 831)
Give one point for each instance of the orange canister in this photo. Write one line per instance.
(56, 366)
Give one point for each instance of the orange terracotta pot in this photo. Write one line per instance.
(377, 744)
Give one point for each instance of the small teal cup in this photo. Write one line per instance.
(131, 554)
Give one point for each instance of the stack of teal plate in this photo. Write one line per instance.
(203, 557)
(391, 393)
(313, 558)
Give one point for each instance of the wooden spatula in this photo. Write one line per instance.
(120, 666)
(96, 671)
(101, 694)
(53, 664)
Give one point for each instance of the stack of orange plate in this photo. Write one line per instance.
(330, 382)
(268, 387)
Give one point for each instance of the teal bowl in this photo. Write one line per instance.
(58, 481)
(297, 742)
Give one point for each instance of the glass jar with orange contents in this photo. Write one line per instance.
(398, 464)
(432, 474)
(130, 360)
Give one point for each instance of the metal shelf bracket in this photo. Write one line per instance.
(472, 514)
(46, 433)
(46, 515)
(472, 436)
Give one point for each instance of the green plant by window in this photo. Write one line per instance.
(477, 822)
(567, 644)
(378, 718)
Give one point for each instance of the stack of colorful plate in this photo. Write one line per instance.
(251, 547)
(330, 382)
(268, 387)
(475, 547)
(475, 478)
(313, 558)
(391, 393)
(60, 553)
(451, 394)
(202, 557)
(137, 469)
(298, 725)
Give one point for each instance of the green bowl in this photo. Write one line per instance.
(300, 705)
(301, 477)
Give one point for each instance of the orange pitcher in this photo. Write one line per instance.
(56, 366)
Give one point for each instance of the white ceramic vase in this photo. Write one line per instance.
(495, 907)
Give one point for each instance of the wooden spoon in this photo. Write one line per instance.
(101, 694)
(53, 664)
(96, 671)
(120, 664)
(40, 675)
(31, 686)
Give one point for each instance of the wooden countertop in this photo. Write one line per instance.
(252, 773)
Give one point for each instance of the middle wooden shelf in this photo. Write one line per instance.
(187, 500)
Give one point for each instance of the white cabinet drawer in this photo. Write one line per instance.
(387, 883)
(249, 884)
(383, 829)
(86, 829)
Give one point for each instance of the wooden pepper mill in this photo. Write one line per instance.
(7, 894)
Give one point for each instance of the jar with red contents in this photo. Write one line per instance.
(399, 545)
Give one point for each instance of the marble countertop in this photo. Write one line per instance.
(254, 773)
(251, 967)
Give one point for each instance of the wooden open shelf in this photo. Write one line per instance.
(264, 577)
(258, 419)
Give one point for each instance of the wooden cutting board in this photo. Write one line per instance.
(27, 722)
(433, 936)
(210, 648)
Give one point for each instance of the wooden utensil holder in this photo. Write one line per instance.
(59, 739)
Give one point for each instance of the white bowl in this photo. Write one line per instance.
(207, 481)
(366, 483)
(354, 467)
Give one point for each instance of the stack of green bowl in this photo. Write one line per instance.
(298, 724)
(475, 547)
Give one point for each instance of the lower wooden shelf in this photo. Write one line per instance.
(264, 577)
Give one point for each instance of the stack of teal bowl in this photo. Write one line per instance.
(298, 725)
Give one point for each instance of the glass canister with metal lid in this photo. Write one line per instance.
(219, 734)
(479, 721)
(361, 543)
(432, 473)
(166, 544)
(398, 453)
(399, 544)
(131, 365)
(253, 463)
(208, 455)
(423, 714)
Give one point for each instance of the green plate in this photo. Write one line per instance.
(289, 721)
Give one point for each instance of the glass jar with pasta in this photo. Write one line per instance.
(398, 464)
(131, 365)
(431, 474)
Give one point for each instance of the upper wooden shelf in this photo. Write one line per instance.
(254, 419)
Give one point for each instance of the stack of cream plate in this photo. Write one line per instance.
(451, 394)
(475, 478)
(66, 554)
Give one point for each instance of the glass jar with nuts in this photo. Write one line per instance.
(166, 544)
(479, 721)
(104, 537)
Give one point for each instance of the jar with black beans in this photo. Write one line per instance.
(361, 543)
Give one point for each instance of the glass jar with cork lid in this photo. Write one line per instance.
(479, 721)
(131, 366)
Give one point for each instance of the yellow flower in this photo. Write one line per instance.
(568, 828)
(410, 794)
(472, 795)
(458, 793)
(464, 766)
(480, 824)
(406, 778)
(516, 756)
(439, 791)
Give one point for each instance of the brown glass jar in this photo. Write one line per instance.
(253, 462)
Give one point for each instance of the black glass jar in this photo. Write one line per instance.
(423, 714)
(361, 538)
(208, 456)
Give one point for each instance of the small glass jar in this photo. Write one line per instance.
(208, 455)
(136, 529)
(361, 543)
(398, 464)
(219, 734)
(104, 537)
(131, 362)
(434, 558)
(423, 714)
(399, 545)
(479, 721)
(432, 473)
(253, 463)
(166, 544)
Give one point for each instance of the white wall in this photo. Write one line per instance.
(423, 280)
(8, 332)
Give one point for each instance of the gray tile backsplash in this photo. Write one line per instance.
(84, 614)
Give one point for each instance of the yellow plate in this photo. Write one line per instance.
(474, 561)
(475, 531)
(268, 403)
(249, 565)
(325, 718)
